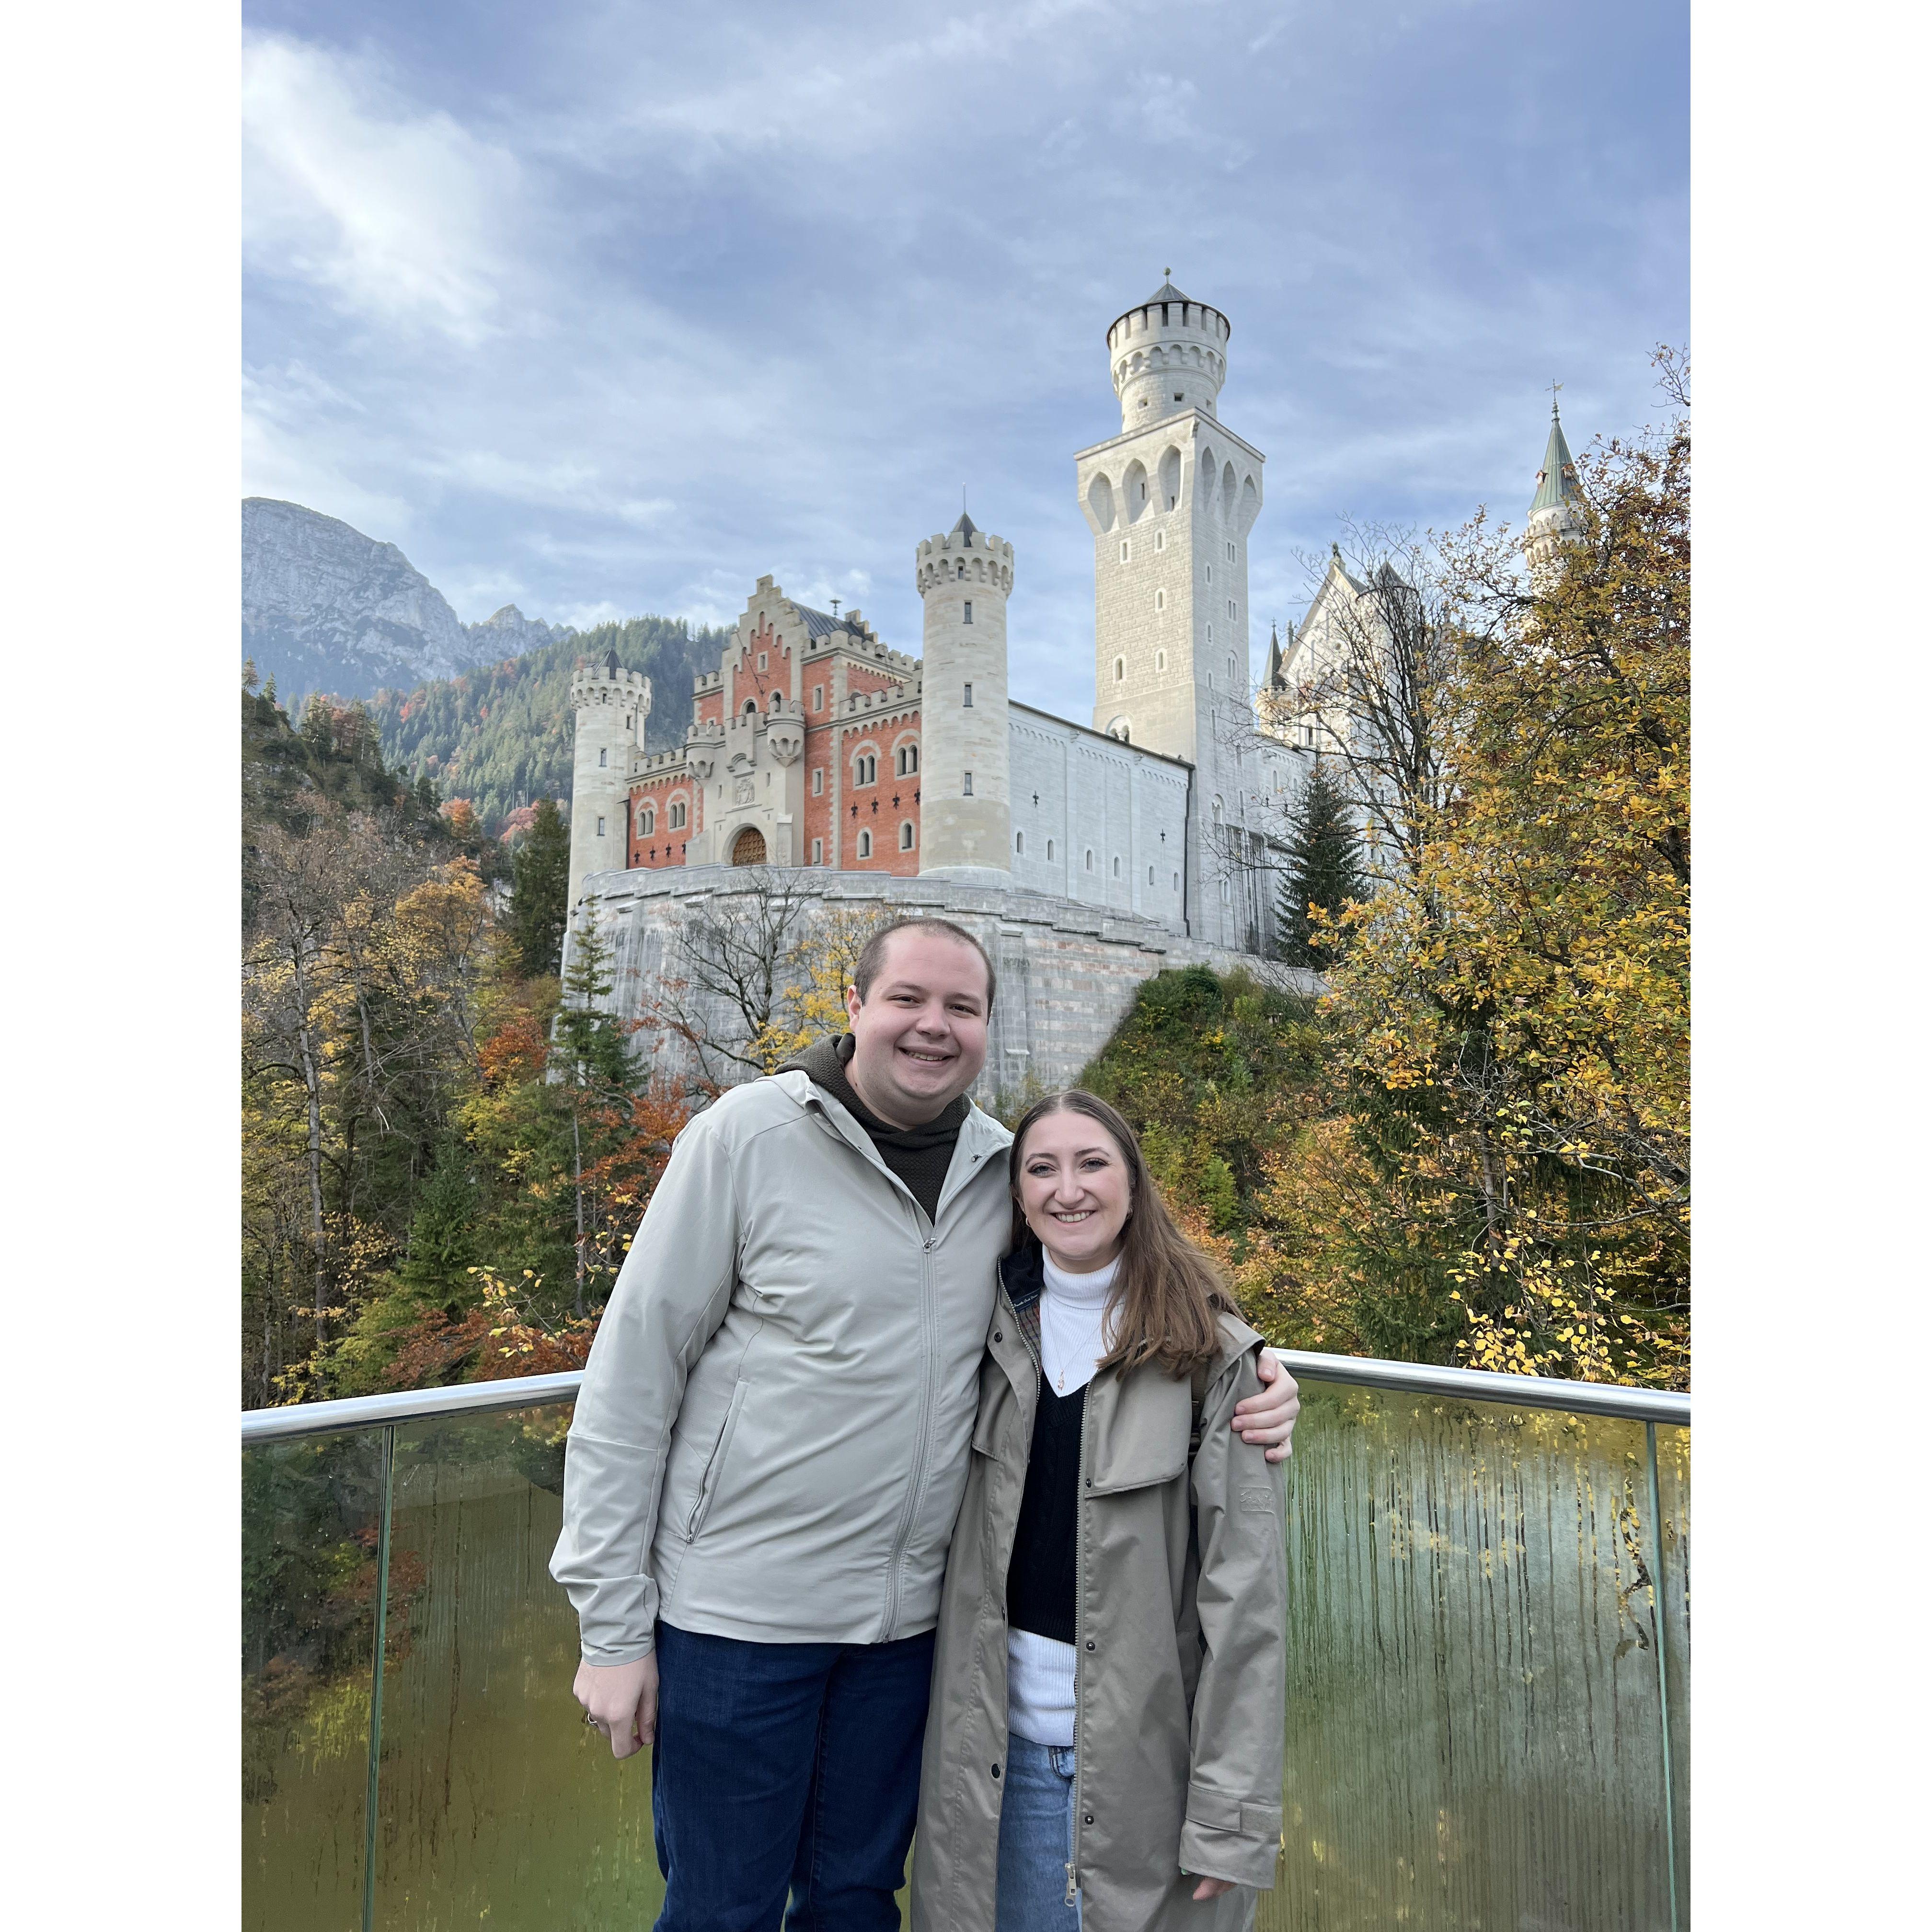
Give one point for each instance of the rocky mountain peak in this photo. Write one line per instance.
(325, 608)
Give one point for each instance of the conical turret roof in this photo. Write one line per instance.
(1556, 481)
(1272, 681)
(965, 528)
(611, 664)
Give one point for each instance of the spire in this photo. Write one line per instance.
(965, 528)
(1556, 481)
(611, 664)
(1271, 680)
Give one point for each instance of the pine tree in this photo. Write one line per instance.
(1322, 869)
(541, 886)
(598, 1066)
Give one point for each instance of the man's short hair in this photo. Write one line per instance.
(873, 956)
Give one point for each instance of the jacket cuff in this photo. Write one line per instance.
(1224, 1838)
(605, 1656)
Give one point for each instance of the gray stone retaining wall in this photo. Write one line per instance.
(1067, 972)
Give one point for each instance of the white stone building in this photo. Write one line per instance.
(1091, 854)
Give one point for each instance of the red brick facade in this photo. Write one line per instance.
(843, 814)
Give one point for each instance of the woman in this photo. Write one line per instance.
(1104, 1747)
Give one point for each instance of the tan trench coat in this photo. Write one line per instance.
(1179, 1650)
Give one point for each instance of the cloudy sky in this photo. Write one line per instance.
(604, 309)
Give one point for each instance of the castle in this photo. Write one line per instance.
(1090, 856)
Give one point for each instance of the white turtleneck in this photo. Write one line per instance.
(1073, 1309)
(1040, 1671)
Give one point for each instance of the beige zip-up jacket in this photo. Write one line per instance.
(1180, 1652)
(771, 1440)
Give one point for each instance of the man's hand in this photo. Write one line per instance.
(1269, 1418)
(621, 1700)
(1212, 1888)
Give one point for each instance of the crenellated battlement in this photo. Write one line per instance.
(608, 683)
(964, 554)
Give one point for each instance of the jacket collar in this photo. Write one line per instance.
(981, 1137)
(1022, 1275)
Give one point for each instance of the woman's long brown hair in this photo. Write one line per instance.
(1167, 1293)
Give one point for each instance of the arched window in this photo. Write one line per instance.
(1160, 660)
(1119, 670)
(1116, 866)
(677, 814)
(1160, 600)
(650, 820)
(1049, 848)
(905, 834)
(865, 845)
(1090, 858)
(1150, 875)
(908, 761)
(866, 769)
(1019, 843)
(1177, 882)
(751, 707)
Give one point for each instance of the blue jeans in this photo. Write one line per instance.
(1035, 1839)
(786, 1767)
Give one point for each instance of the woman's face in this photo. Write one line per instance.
(1075, 1190)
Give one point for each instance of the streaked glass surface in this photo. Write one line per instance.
(1473, 1734)
(1673, 1472)
(499, 1805)
(311, 1510)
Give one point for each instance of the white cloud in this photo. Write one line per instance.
(396, 213)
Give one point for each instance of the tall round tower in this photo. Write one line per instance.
(1169, 354)
(966, 822)
(1555, 511)
(611, 705)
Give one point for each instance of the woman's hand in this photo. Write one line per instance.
(1212, 1888)
(1270, 1416)
(621, 1700)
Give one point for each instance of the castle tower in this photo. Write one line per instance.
(611, 705)
(1555, 512)
(1171, 501)
(965, 810)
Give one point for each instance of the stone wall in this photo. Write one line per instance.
(1067, 972)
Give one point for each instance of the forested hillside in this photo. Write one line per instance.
(439, 1172)
(501, 735)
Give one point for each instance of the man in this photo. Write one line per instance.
(771, 1443)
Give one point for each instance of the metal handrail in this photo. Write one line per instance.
(377, 1411)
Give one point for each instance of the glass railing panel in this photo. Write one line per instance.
(497, 1805)
(311, 1518)
(1673, 1472)
(1473, 1734)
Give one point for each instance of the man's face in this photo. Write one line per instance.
(920, 1036)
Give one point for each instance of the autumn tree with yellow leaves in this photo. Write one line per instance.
(1475, 1146)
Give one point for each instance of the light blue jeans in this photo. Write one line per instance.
(1035, 1839)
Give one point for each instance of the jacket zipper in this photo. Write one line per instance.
(1079, 1642)
(929, 1350)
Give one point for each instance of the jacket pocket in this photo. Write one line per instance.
(715, 1468)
